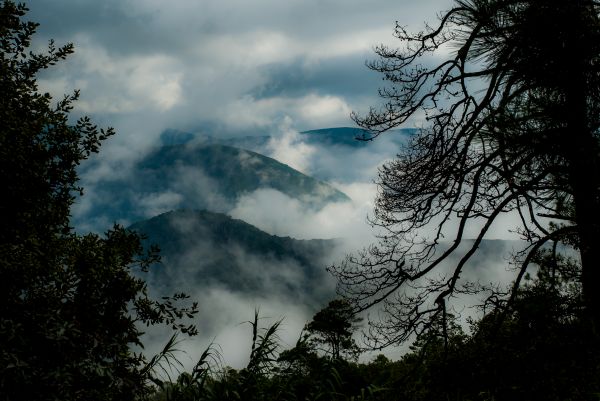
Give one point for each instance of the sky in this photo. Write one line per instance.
(233, 68)
(228, 67)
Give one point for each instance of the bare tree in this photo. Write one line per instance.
(513, 116)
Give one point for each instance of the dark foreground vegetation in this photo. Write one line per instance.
(72, 311)
(541, 350)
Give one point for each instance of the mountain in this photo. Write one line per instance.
(198, 176)
(238, 171)
(336, 136)
(351, 137)
(201, 249)
(331, 154)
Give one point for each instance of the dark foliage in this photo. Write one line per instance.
(70, 308)
(533, 352)
(332, 327)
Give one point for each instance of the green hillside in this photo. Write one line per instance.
(238, 171)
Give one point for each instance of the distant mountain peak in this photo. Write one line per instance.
(202, 248)
(199, 176)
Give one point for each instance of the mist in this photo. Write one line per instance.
(282, 288)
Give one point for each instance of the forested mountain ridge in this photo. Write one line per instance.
(240, 171)
(199, 176)
(202, 248)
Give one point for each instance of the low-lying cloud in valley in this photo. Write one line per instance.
(280, 287)
(230, 279)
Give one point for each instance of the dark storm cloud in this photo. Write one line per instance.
(345, 76)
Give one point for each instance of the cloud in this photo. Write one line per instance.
(157, 203)
(235, 65)
(288, 148)
(267, 114)
(344, 76)
(332, 162)
(278, 214)
(119, 84)
(224, 320)
(322, 110)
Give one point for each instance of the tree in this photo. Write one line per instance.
(513, 118)
(70, 307)
(534, 352)
(333, 327)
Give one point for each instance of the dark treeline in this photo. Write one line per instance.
(515, 119)
(532, 353)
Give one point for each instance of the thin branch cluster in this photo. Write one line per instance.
(496, 141)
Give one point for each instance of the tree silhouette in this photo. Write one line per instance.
(332, 327)
(513, 117)
(70, 307)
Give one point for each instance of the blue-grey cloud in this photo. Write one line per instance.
(345, 76)
(242, 66)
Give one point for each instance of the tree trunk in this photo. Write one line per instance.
(584, 178)
(587, 217)
(582, 150)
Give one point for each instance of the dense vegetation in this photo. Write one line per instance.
(532, 353)
(71, 310)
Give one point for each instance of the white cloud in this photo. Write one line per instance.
(224, 318)
(249, 49)
(278, 214)
(267, 113)
(118, 84)
(157, 203)
(322, 110)
(288, 148)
